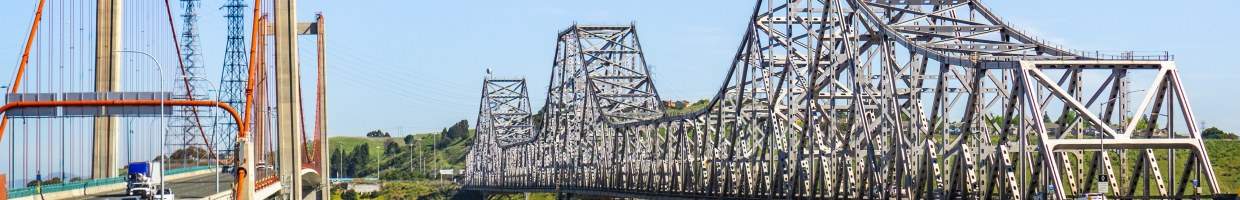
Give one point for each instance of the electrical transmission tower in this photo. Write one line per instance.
(234, 74)
(189, 124)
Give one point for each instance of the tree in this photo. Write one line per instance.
(409, 139)
(1215, 133)
(378, 133)
(190, 153)
(355, 165)
(458, 131)
(390, 148)
(54, 180)
(338, 163)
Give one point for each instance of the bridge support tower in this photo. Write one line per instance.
(107, 79)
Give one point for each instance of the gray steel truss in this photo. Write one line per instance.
(865, 99)
(504, 120)
(505, 109)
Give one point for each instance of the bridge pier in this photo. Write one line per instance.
(107, 79)
(288, 96)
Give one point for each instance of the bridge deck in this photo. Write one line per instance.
(195, 187)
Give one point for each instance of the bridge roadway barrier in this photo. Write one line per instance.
(95, 187)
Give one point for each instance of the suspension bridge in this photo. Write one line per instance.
(104, 83)
(851, 99)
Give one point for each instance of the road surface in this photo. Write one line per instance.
(189, 188)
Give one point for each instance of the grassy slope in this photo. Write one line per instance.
(1225, 156)
(452, 155)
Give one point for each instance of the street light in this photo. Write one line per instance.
(215, 157)
(163, 124)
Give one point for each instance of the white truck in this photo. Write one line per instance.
(143, 181)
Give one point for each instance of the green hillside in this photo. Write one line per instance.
(408, 157)
(1225, 156)
(408, 165)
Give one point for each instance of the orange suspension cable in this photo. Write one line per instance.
(21, 69)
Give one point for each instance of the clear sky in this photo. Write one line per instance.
(417, 65)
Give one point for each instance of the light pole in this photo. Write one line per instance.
(215, 161)
(163, 124)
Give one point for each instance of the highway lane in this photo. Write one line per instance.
(193, 187)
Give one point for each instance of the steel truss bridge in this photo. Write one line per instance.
(94, 72)
(851, 99)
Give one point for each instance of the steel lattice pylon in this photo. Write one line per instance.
(234, 74)
(190, 123)
(874, 99)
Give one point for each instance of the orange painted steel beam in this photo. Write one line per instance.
(21, 69)
(249, 99)
(241, 126)
(140, 102)
(143, 102)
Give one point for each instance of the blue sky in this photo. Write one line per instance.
(416, 66)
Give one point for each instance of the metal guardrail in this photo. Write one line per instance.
(29, 191)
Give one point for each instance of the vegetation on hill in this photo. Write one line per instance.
(407, 165)
(1225, 156)
(412, 157)
(378, 133)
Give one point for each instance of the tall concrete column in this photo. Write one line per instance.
(288, 97)
(107, 79)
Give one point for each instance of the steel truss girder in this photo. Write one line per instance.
(874, 100)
